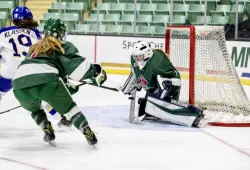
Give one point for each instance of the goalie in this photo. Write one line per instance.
(153, 71)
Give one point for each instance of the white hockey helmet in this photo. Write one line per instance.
(142, 52)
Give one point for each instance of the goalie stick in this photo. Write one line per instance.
(132, 98)
(132, 118)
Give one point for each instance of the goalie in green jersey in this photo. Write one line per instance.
(152, 70)
(39, 78)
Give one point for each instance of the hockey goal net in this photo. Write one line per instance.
(209, 78)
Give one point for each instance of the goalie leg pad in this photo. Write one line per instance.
(170, 112)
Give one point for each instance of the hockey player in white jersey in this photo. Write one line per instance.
(14, 45)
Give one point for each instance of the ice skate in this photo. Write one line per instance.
(65, 124)
(90, 136)
(49, 135)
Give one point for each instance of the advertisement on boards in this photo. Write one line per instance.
(240, 53)
(112, 49)
(118, 49)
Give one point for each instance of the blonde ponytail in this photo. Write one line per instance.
(47, 45)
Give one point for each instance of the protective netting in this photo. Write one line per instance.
(217, 87)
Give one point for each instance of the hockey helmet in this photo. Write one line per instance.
(141, 53)
(21, 13)
(55, 28)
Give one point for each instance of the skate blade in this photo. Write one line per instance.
(94, 147)
(52, 143)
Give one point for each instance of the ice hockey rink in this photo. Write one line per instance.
(122, 146)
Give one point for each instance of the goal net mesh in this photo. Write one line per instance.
(217, 87)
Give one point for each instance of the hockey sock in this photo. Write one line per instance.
(5, 84)
(50, 109)
(39, 117)
(79, 121)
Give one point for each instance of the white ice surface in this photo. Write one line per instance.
(122, 146)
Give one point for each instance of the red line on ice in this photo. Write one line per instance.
(228, 144)
(22, 163)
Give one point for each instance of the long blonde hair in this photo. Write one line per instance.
(47, 45)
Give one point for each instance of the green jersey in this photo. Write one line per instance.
(158, 64)
(40, 68)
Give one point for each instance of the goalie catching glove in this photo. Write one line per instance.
(131, 84)
(101, 76)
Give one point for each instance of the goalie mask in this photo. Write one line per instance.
(55, 28)
(142, 52)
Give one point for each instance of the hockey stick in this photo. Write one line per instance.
(103, 87)
(10, 109)
(83, 83)
(132, 106)
(132, 118)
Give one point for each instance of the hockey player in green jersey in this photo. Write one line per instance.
(153, 71)
(39, 78)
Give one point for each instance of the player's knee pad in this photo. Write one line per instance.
(5, 84)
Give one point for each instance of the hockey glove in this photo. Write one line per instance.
(101, 76)
(136, 86)
(165, 87)
(166, 92)
(73, 88)
(130, 84)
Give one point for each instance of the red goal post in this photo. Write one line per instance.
(192, 55)
(209, 78)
